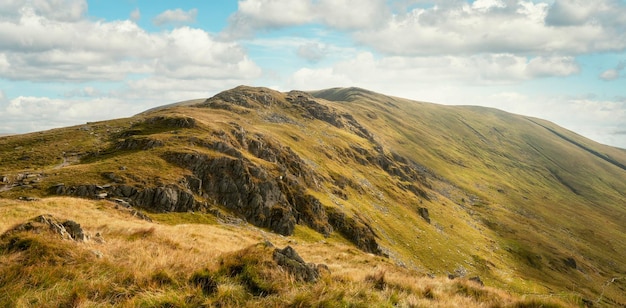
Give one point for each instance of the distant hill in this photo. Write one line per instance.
(443, 191)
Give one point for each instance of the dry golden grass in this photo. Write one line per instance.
(151, 264)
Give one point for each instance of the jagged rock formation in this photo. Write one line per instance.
(274, 197)
(355, 229)
(67, 229)
(170, 198)
(289, 259)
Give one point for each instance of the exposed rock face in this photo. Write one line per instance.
(272, 195)
(289, 259)
(67, 229)
(241, 97)
(314, 110)
(166, 199)
(137, 143)
(237, 183)
(354, 229)
(170, 198)
(174, 122)
(241, 187)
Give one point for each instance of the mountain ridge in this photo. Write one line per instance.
(519, 199)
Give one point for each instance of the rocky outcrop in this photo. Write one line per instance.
(166, 199)
(67, 229)
(172, 122)
(355, 229)
(241, 99)
(26, 180)
(241, 187)
(169, 198)
(312, 109)
(273, 198)
(150, 126)
(137, 143)
(289, 259)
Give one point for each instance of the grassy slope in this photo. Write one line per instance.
(545, 194)
(153, 264)
(515, 201)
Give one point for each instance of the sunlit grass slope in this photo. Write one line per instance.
(525, 205)
(155, 264)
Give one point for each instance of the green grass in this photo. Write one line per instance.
(184, 218)
(511, 196)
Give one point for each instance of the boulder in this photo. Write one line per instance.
(424, 213)
(289, 259)
(74, 230)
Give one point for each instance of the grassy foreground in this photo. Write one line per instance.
(191, 260)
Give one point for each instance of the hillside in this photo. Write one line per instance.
(422, 190)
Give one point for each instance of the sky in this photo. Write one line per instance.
(67, 62)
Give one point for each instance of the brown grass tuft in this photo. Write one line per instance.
(377, 279)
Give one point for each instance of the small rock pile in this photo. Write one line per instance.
(68, 229)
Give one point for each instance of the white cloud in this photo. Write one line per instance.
(351, 14)
(486, 5)
(315, 79)
(311, 51)
(572, 12)
(610, 74)
(552, 66)
(63, 47)
(176, 17)
(365, 70)
(613, 73)
(517, 27)
(58, 10)
(450, 27)
(255, 15)
(37, 48)
(40, 113)
(135, 15)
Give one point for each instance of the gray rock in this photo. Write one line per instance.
(424, 213)
(67, 229)
(75, 230)
(477, 280)
(355, 229)
(289, 259)
(29, 199)
(122, 202)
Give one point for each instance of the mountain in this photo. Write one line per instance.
(420, 189)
